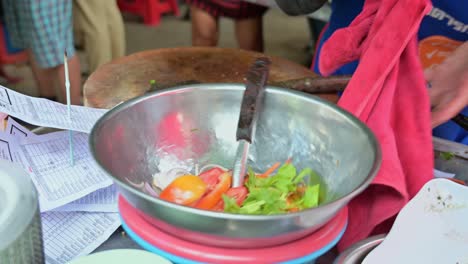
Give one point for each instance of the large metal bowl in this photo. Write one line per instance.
(196, 124)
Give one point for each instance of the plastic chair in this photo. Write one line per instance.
(150, 10)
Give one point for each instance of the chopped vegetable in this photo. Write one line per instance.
(211, 177)
(184, 190)
(447, 155)
(238, 195)
(270, 170)
(285, 191)
(214, 196)
(263, 194)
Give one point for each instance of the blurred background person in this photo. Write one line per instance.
(443, 51)
(247, 19)
(99, 29)
(44, 29)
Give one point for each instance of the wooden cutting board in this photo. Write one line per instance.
(130, 76)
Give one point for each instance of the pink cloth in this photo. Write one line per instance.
(388, 93)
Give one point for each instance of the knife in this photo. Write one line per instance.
(251, 106)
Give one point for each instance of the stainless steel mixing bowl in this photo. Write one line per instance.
(195, 125)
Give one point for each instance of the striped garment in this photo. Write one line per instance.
(234, 9)
(44, 26)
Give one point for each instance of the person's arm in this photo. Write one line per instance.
(449, 86)
(299, 7)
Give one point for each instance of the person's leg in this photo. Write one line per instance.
(49, 42)
(51, 81)
(116, 28)
(43, 77)
(204, 28)
(249, 33)
(97, 43)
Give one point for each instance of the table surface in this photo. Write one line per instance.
(118, 240)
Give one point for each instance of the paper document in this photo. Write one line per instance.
(103, 200)
(47, 113)
(46, 159)
(17, 130)
(68, 235)
(6, 148)
(443, 174)
(10, 151)
(57, 181)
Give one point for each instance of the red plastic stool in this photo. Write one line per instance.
(150, 10)
(9, 58)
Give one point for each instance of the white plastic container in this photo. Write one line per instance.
(20, 221)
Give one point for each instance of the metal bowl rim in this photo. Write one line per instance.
(361, 248)
(238, 86)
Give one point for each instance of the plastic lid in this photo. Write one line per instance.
(123, 256)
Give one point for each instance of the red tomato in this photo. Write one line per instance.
(185, 190)
(211, 198)
(238, 193)
(211, 177)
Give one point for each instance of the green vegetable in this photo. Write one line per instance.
(152, 82)
(311, 198)
(447, 155)
(286, 190)
(230, 205)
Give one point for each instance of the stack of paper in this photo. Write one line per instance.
(78, 203)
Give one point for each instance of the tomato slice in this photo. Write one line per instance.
(184, 190)
(211, 198)
(211, 177)
(238, 193)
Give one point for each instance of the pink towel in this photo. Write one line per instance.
(388, 93)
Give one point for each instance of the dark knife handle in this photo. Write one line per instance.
(252, 99)
(461, 120)
(317, 85)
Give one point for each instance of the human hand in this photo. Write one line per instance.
(449, 86)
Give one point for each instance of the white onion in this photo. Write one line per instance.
(150, 190)
(136, 185)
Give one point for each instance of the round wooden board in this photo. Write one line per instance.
(129, 76)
